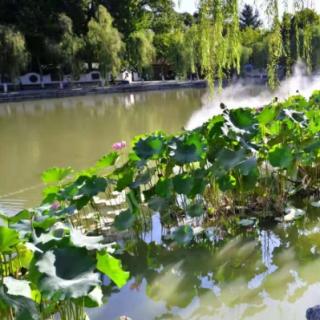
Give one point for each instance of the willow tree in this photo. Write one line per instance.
(13, 53)
(192, 49)
(140, 50)
(105, 43)
(220, 47)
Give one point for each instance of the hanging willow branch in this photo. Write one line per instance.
(219, 38)
(220, 46)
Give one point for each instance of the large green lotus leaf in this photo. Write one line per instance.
(295, 116)
(24, 308)
(80, 240)
(125, 220)
(112, 268)
(84, 188)
(94, 299)
(215, 126)
(188, 148)
(183, 184)
(183, 235)
(22, 215)
(56, 233)
(227, 182)
(164, 188)
(228, 159)
(65, 273)
(107, 160)
(243, 118)
(281, 157)
(250, 180)
(22, 259)
(45, 222)
(8, 239)
(91, 186)
(200, 182)
(247, 166)
(313, 145)
(267, 115)
(17, 287)
(158, 204)
(55, 175)
(143, 178)
(125, 178)
(150, 148)
(195, 210)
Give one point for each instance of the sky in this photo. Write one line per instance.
(190, 5)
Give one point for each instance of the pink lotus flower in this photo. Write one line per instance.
(55, 206)
(119, 145)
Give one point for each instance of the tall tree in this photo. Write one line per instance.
(13, 54)
(249, 18)
(104, 43)
(140, 49)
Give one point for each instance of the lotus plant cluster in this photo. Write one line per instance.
(244, 164)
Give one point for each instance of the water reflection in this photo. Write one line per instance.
(75, 132)
(274, 275)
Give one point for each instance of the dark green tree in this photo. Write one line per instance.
(13, 54)
(249, 18)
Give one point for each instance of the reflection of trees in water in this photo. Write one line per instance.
(235, 277)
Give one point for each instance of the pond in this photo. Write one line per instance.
(76, 132)
(268, 272)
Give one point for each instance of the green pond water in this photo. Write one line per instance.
(76, 132)
(269, 273)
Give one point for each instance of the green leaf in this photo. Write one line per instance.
(164, 188)
(22, 215)
(242, 118)
(8, 239)
(183, 235)
(17, 287)
(150, 148)
(55, 175)
(64, 273)
(188, 148)
(24, 308)
(248, 166)
(94, 299)
(195, 210)
(80, 240)
(267, 115)
(281, 157)
(158, 204)
(143, 178)
(227, 182)
(228, 159)
(125, 220)
(107, 160)
(183, 184)
(112, 268)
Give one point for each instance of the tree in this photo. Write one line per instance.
(141, 51)
(69, 49)
(13, 54)
(104, 43)
(248, 18)
(129, 15)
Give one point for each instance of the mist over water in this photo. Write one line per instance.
(247, 94)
